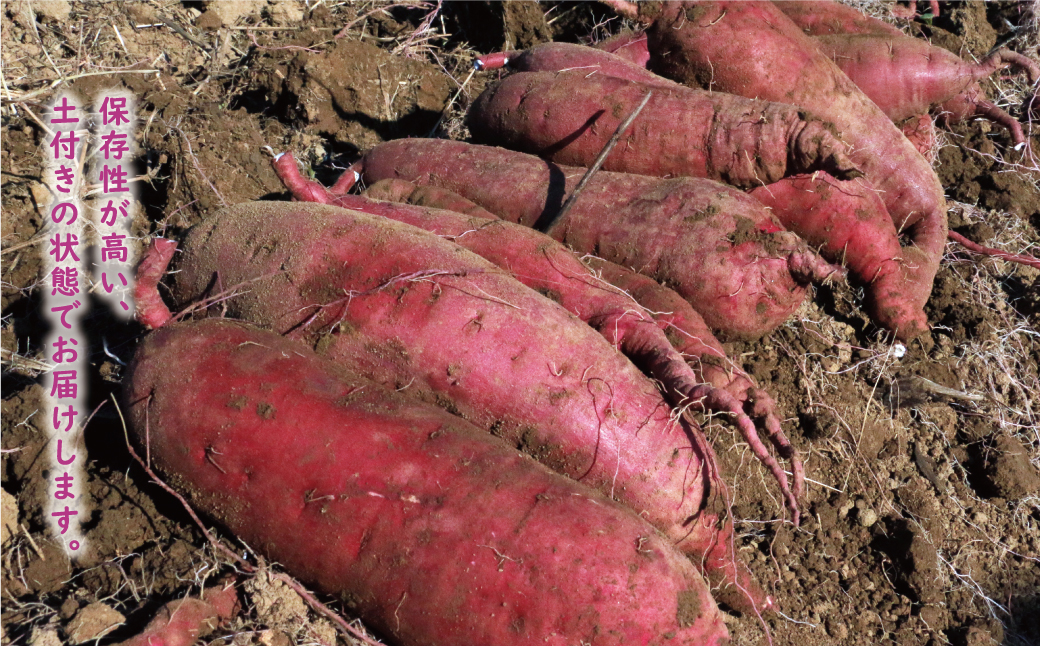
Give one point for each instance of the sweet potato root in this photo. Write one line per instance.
(567, 117)
(432, 531)
(382, 296)
(719, 248)
(546, 266)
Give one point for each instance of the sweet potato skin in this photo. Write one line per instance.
(432, 531)
(714, 245)
(567, 117)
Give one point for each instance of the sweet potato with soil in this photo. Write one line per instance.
(421, 314)
(719, 248)
(546, 266)
(919, 129)
(182, 622)
(429, 529)
(568, 117)
(694, 43)
(845, 219)
(906, 76)
(847, 222)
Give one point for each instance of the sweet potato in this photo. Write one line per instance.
(420, 314)
(684, 328)
(903, 75)
(720, 249)
(432, 531)
(630, 45)
(182, 622)
(906, 76)
(546, 266)
(847, 222)
(565, 57)
(829, 18)
(568, 117)
(920, 132)
(694, 43)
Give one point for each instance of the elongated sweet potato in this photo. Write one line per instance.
(568, 117)
(421, 314)
(694, 43)
(906, 76)
(430, 530)
(549, 268)
(719, 248)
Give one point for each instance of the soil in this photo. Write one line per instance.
(922, 517)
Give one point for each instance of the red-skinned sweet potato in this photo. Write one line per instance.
(719, 248)
(906, 76)
(693, 43)
(847, 222)
(568, 117)
(845, 219)
(182, 622)
(546, 266)
(630, 45)
(383, 296)
(828, 18)
(430, 530)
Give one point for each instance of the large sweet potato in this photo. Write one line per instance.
(423, 315)
(432, 531)
(567, 117)
(549, 268)
(720, 249)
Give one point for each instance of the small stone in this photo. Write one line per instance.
(837, 629)
(867, 517)
(93, 622)
(1009, 471)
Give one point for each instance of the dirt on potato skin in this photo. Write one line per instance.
(925, 528)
